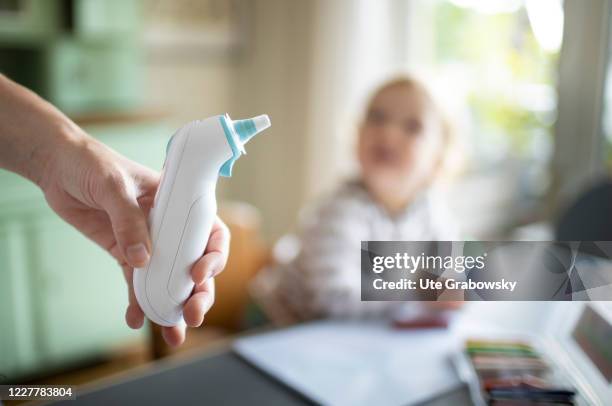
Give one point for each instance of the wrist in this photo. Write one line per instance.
(33, 133)
(49, 152)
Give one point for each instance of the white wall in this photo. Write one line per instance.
(309, 65)
(190, 89)
(273, 77)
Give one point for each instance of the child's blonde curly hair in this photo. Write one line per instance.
(450, 161)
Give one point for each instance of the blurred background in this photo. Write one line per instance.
(525, 81)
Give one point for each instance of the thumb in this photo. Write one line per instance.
(128, 221)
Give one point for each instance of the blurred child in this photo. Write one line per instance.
(403, 141)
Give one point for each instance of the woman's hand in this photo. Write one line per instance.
(107, 197)
(101, 193)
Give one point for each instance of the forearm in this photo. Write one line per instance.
(31, 131)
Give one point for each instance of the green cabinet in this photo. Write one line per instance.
(18, 351)
(62, 298)
(29, 21)
(25, 22)
(95, 18)
(81, 296)
(81, 55)
(93, 76)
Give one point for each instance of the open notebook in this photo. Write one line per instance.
(356, 363)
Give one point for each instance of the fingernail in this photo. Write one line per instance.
(137, 254)
(210, 272)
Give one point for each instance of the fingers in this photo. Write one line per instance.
(147, 182)
(146, 178)
(215, 255)
(134, 316)
(207, 267)
(174, 336)
(219, 239)
(196, 307)
(193, 313)
(199, 303)
(203, 272)
(128, 221)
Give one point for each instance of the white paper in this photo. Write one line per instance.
(357, 363)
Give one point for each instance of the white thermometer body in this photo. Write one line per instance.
(185, 208)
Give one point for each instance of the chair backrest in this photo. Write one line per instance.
(590, 217)
(248, 254)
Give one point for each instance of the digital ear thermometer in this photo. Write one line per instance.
(185, 209)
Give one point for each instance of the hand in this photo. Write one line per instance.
(107, 197)
(104, 195)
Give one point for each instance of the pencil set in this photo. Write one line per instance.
(512, 373)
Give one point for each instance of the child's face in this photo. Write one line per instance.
(399, 141)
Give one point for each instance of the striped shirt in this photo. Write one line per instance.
(324, 278)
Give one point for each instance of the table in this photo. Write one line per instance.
(216, 378)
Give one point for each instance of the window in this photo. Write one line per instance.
(497, 59)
